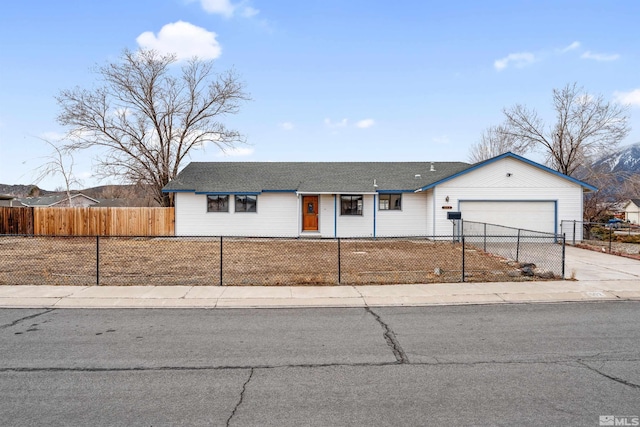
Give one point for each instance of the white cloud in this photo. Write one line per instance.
(184, 39)
(52, 136)
(342, 123)
(600, 56)
(249, 12)
(286, 126)
(518, 60)
(366, 123)
(235, 152)
(84, 175)
(220, 7)
(443, 139)
(572, 46)
(228, 9)
(630, 98)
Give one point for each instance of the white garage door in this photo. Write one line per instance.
(529, 215)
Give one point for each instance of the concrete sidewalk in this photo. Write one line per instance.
(600, 277)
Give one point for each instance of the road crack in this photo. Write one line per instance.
(22, 319)
(390, 338)
(244, 388)
(611, 377)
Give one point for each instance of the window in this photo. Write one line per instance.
(217, 203)
(351, 205)
(390, 202)
(246, 203)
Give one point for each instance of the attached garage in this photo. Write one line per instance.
(536, 215)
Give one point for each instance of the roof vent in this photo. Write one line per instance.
(433, 169)
(418, 176)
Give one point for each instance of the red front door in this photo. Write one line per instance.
(309, 213)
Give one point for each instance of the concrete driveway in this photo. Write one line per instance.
(591, 266)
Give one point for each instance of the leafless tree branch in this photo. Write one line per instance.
(60, 162)
(585, 127)
(147, 118)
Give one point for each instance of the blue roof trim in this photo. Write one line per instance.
(178, 191)
(229, 193)
(514, 156)
(395, 191)
(279, 191)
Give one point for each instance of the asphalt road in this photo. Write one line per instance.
(544, 364)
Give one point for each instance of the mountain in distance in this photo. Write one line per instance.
(131, 195)
(624, 162)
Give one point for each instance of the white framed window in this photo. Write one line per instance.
(351, 205)
(390, 202)
(217, 203)
(246, 203)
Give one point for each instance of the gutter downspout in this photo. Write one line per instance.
(335, 216)
(374, 216)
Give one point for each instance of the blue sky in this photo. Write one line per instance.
(330, 80)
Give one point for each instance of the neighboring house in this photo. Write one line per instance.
(59, 200)
(632, 211)
(9, 201)
(370, 199)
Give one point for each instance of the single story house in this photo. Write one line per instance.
(7, 200)
(376, 199)
(59, 200)
(632, 211)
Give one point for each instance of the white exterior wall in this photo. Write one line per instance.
(411, 220)
(356, 225)
(430, 223)
(326, 218)
(491, 182)
(277, 215)
(632, 213)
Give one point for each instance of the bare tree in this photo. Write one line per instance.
(147, 117)
(613, 189)
(494, 141)
(60, 162)
(585, 127)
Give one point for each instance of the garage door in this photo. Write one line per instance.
(528, 215)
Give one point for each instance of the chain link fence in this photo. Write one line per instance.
(615, 237)
(206, 260)
(537, 253)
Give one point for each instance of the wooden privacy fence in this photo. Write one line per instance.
(88, 221)
(16, 220)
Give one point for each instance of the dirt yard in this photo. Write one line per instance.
(245, 261)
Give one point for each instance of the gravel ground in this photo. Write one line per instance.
(245, 261)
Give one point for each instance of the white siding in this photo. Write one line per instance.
(277, 215)
(410, 221)
(326, 219)
(525, 183)
(356, 225)
(632, 213)
(430, 220)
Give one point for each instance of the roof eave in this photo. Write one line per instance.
(587, 187)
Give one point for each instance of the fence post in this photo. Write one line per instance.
(339, 264)
(564, 241)
(610, 237)
(574, 232)
(220, 260)
(463, 258)
(485, 237)
(97, 260)
(518, 247)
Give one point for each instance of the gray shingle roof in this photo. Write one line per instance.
(320, 177)
(48, 200)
